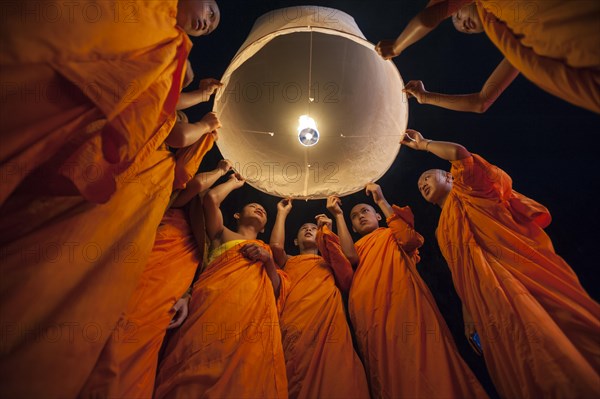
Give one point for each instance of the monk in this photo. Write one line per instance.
(553, 43)
(405, 344)
(230, 345)
(319, 355)
(127, 365)
(85, 178)
(538, 327)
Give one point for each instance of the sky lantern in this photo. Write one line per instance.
(308, 107)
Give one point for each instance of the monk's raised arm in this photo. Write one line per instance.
(212, 202)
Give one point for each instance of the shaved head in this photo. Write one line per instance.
(365, 219)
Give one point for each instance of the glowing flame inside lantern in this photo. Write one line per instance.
(308, 135)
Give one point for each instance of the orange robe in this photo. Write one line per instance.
(553, 43)
(407, 348)
(230, 344)
(127, 365)
(83, 261)
(319, 355)
(84, 180)
(538, 327)
(65, 65)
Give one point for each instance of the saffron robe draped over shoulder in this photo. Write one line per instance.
(84, 261)
(85, 181)
(319, 354)
(538, 327)
(553, 43)
(407, 348)
(127, 365)
(230, 344)
(65, 65)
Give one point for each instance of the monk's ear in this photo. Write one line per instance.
(295, 241)
(263, 230)
(449, 177)
(236, 216)
(354, 230)
(378, 216)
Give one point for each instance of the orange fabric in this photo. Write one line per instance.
(68, 270)
(331, 250)
(96, 60)
(553, 43)
(404, 341)
(230, 344)
(127, 365)
(320, 358)
(189, 159)
(538, 327)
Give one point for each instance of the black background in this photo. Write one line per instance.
(546, 145)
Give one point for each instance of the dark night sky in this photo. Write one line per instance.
(544, 143)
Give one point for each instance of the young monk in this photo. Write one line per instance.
(230, 346)
(85, 181)
(319, 355)
(553, 43)
(128, 362)
(407, 348)
(538, 327)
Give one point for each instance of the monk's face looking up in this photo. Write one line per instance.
(198, 17)
(364, 219)
(466, 20)
(434, 185)
(253, 213)
(307, 236)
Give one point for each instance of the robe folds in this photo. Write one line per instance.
(538, 327)
(230, 344)
(553, 43)
(83, 261)
(407, 348)
(89, 100)
(319, 354)
(127, 366)
(67, 64)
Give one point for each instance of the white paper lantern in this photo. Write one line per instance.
(308, 108)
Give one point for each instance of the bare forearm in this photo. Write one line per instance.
(346, 241)
(385, 207)
(183, 134)
(271, 270)
(444, 149)
(277, 241)
(200, 183)
(189, 99)
(414, 31)
(220, 192)
(457, 102)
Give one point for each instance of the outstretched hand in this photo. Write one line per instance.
(255, 253)
(413, 139)
(323, 220)
(284, 206)
(208, 87)
(385, 48)
(236, 179)
(334, 205)
(416, 89)
(209, 123)
(374, 190)
(225, 165)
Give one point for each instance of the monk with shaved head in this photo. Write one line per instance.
(316, 338)
(537, 325)
(406, 347)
